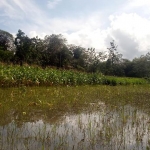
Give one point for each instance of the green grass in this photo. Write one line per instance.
(112, 80)
(13, 75)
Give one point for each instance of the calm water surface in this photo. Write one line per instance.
(123, 127)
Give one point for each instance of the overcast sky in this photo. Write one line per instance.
(88, 23)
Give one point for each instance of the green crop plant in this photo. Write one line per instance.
(14, 76)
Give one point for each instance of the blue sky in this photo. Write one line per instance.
(88, 23)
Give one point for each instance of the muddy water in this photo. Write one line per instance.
(103, 128)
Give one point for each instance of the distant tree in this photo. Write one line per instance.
(79, 59)
(141, 66)
(6, 56)
(114, 57)
(127, 66)
(92, 60)
(54, 43)
(23, 47)
(56, 52)
(97, 61)
(114, 61)
(7, 47)
(6, 41)
(36, 51)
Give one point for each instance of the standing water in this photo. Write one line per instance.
(99, 126)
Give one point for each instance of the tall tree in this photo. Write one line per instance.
(80, 57)
(141, 66)
(114, 57)
(56, 51)
(6, 41)
(23, 45)
(7, 47)
(95, 60)
(114, 61)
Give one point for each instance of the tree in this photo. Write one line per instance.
(36, 51)
(95, 60)
(54, 43)
(127, 66)
(6, 41)
(141, 66)
(23, 47)
(7, 47)
(114, 61)
(114, 57)
(79, 57)
(56, 52)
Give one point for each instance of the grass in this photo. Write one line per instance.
(15, 76)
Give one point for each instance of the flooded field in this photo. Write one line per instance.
(75, 118)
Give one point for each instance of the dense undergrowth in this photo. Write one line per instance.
(13, 75)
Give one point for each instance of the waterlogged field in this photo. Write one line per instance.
(75, 118)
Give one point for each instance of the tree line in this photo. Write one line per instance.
(54, 51)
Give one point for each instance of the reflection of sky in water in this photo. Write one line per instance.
(124, 128)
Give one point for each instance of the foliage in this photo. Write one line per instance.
(6, 56)
(114, 57)
(6, 41)
(35, 76)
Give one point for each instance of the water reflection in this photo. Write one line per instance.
(105, 128)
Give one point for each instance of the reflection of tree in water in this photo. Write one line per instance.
(122, 127)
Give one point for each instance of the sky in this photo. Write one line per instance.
(86, 23)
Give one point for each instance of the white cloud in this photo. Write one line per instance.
(133, 24)
(52, 4)
(85, 32)
(132, 33)
(34, 34)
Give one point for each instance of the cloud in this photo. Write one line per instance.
(52, 4)
(85, 32)
(26, 16)
(131, 32)
(138, 6)
(127, 45)
(35, 33)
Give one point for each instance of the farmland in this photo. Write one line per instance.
(67, 109)
(11, 76)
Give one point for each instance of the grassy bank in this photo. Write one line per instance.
(13, 75)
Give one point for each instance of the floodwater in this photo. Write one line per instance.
(120, 128)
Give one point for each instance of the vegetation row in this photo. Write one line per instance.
(14, 75)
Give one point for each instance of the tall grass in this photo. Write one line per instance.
(13, 75)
